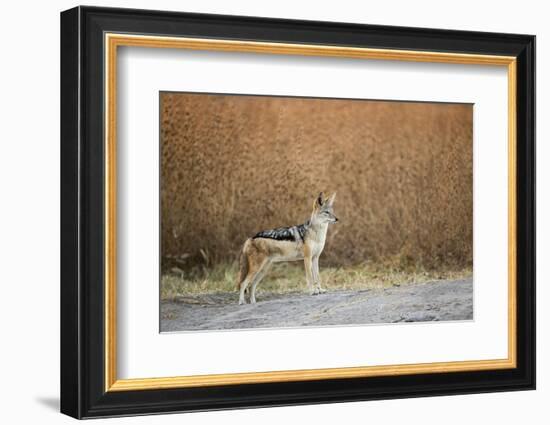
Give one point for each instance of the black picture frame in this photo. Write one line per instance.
(83, 392)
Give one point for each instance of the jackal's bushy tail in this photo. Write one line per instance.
(243, 263)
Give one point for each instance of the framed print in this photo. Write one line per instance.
(260, 212)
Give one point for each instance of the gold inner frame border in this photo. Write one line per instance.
(113, 40)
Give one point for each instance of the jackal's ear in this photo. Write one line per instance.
(318, 203)
(330, 200)
(320, 200)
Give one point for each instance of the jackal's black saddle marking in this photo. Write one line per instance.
(284, 233)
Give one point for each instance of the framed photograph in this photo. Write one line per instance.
(260, 212)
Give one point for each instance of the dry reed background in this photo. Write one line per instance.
(234, 165)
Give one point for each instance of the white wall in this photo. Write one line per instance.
(29, 224)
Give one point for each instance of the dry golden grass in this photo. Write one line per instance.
(290, 277)
(234, 165)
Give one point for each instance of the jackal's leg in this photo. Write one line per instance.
(316, 276)
(242, 288)
(256, 281)
(308, 264)
(255, 265)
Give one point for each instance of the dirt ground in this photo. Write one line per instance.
(432, 301)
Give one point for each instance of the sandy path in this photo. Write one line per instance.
(433, 301)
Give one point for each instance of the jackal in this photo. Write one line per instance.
(302, 242)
